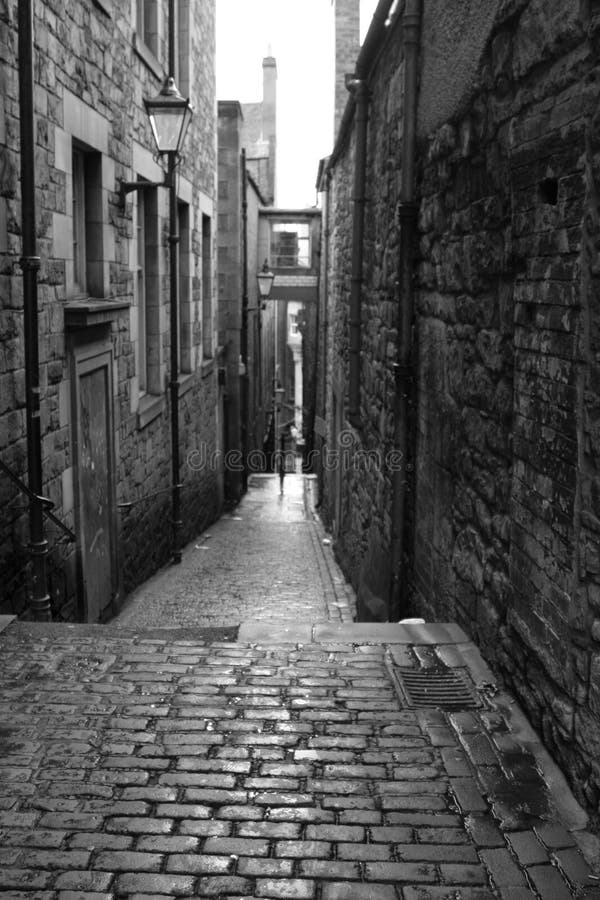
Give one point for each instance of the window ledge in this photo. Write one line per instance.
(187, 380)
(89, 312)
(208, 367)
(150, 407)
(147, 56)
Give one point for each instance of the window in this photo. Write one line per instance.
(147, 24)
(290, 245)
(79, 237)
(294, 324)
(207, 314)
(184, 31)
(88, 264)
(147, 290)
(185, 318)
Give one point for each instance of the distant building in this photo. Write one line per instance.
(264, 346)
(259, 134)
(103, 299)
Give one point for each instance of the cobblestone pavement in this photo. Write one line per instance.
(264, 561)
(308, 760)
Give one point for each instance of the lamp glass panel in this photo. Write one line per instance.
(265, 282)
(166, 126)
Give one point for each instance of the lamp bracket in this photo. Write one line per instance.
(126, 187)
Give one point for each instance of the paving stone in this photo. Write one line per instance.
(484, 830)
(205, 828)
(83, 882)
(26, 879)
(140, 883)
(464, 892)
(527, 848)
(219, 885)
(290, 889)
(400, 872)
(179, 843)
(468, 794)
(345, 890)
(137, 825)
(502, 868)
(81, 895)
(572, 863)
(263, 868)
(320, 868)
(549, 883)
(554, 835)
(200, 864)
(128, 861)
(57, 859)
(238, 846)
(335, 833)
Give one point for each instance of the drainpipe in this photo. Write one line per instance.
(244, 329)
(407, 214)
(358, 87)
(30, 263)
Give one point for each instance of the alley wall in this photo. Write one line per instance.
(503, 512)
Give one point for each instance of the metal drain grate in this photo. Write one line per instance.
(445, 688)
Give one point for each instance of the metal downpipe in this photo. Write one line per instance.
(30, 263)
(407, 214)
(359, 88)
(244, 398)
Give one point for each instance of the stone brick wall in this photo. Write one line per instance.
(231, 281)
(91, 75)
(503, 509)
(347, 45)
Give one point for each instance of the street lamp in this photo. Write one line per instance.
(278, 433)
(170, 115)
(264, 279)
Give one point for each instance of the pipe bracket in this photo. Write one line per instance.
(407, 210)
(30, 263)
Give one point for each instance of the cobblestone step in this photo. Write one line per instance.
(169, 754)
(135, 765)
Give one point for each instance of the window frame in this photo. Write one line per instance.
(87, 222)
(302, 258)
(207, 288)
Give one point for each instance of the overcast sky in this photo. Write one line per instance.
(303, 46)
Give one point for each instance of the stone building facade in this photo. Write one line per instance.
(265, 344)
(239, 201)
(103, 296)
(498, 398)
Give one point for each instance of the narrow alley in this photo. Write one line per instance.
(265, 561)
(235, 734)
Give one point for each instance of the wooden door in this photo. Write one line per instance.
(95, 482)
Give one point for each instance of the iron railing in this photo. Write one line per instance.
(19, 586)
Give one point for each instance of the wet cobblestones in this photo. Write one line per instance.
(144, 763)
(265, 561)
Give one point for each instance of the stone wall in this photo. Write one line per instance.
(230, 276)
(91, 72)
(503, 508)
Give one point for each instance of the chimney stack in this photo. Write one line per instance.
(347, 45)
(269, 118)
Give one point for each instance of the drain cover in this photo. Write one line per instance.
(440, 687)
